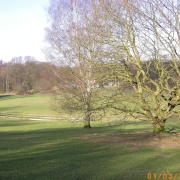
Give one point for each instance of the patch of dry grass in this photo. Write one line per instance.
(136, 139)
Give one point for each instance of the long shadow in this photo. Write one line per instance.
(12, 108)
(45, 154)
(14, 123)
(136, 126)
(57, 153)
(160, 164)
(156, 164)
(7, 97)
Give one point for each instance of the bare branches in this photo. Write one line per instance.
(137, 42)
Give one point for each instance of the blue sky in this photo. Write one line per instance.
(22, 24)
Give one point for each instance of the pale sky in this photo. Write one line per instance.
(22, 24)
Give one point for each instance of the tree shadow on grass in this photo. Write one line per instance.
(58, 154)
(6, 96)
(12, 108)
(140, 126)
(157, 164)
(52, 155)
(14, 123)
(130, 126)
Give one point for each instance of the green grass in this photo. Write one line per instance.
(36, 104)
(55, 149)
(51, 150)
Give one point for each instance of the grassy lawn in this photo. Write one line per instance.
(61, 150)
(35, 104)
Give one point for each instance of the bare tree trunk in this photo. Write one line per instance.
(7, 84)
(87, 118)
(159, 126)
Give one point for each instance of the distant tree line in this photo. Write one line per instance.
(26, 76)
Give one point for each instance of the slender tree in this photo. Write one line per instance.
(73, 45)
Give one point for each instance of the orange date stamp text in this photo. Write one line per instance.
(164, 176)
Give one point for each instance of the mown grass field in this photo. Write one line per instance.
(63, 150)
(35, 104)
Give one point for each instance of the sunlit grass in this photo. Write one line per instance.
(36, 104)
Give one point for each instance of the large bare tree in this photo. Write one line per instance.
(72, 39)
(144, 37)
